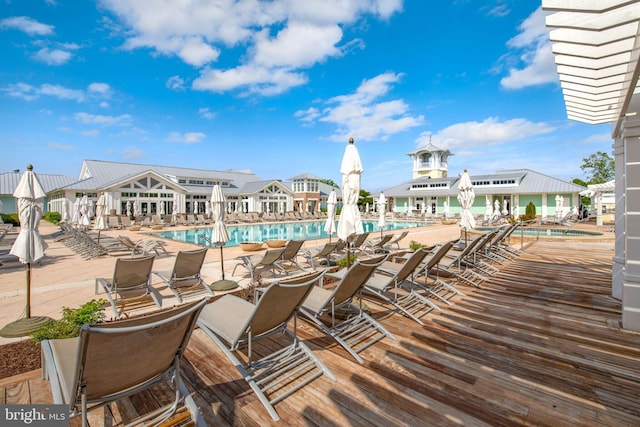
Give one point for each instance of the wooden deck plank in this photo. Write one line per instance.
(539, 344)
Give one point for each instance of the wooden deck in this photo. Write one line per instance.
(538, 345)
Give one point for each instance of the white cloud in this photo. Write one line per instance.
(97, 119)
(206, 113)
(275, 37)
(102, 89)
(62, 92)
(483, 134)
(52, 56)
(132, 153)
(58, 146)
(91, 133)
(186, 138)
(363, 114)
(175, 83)
(532, 55)
(27, 25)
(255, 79)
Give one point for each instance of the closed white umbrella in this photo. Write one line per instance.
(29, 246)
(330, 224)
(382, 206)
(162, 211)
(488, 213)
(128, 208)
(75, 219)
(350, 221)
(466, 197)
(559, 206)
(135, 208)
(101, 209)
(85, 222)
(65, 210)
(219, 234)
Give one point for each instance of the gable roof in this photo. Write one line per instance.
(9, 181)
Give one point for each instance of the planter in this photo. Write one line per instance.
(449, 222)
(276, 243)
(251, 246)
(134, 228)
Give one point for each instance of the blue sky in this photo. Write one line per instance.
(278, 87)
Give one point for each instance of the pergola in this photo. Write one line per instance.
(596, 44)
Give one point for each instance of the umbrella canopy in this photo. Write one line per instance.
(330, 224)
(466, 197)
(75, 219)
(101, 210)
(219, 233)
(65, 211)
(29, 245)
(84, 211)
(350, 221)
(488, 213)
(382, 206)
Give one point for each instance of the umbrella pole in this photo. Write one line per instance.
(28, 290)
(221, 263)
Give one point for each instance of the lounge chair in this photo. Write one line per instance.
(289, 254)
(396, 241)
(320, 254)
(113, 222)
(130, 282)
(134, 247)
(185, 275)
(235, 324)
(453, 264)
(110, 361)
(358, 242)
(359, 331)
(433, 285)
(378, 245)
(257, 263)
(395, 288)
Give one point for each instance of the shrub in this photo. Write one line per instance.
(72, 320)
(342, 262)
(530, 212)
(53, 217)
(10, 219)
(416, 245)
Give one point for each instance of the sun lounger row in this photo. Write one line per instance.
(409, 282)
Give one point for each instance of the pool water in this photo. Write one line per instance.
(303, 230)
(550, 232)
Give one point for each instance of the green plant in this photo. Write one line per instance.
(530, 212)
(72, 320)
(53, 217)
(10, 219)
(342, 262)
(417, 245)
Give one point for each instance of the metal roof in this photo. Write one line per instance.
(9, 181)
(596, 44)
(526, 182)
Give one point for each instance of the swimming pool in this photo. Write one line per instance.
(548, 232)
(303, 230)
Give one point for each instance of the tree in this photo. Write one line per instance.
(365, 197)
(599, 167)
(330, 182)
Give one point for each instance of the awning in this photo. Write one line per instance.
(596, 44)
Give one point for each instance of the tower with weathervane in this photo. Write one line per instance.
(430, 161)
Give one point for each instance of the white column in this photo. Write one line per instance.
(631, 178)
(617, 277)
(544, 205)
